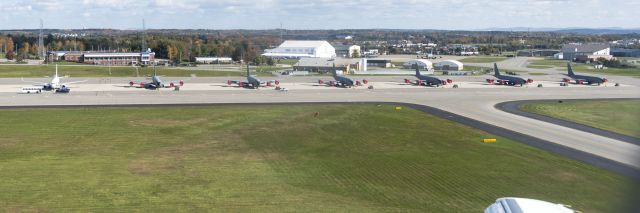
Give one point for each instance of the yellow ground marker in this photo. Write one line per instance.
(489, 140)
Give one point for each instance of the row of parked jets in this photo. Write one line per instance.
(253, 82)
(514, 80)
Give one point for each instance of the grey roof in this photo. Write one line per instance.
(325, 62)
(584, 48)
(342, 47)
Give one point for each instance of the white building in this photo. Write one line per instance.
(101, 58)
(586, 52)
(449, 65)
(419, 63)
(302, 49)
(558, 56)
(371, 52)
(214, 60)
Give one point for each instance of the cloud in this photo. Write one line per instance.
(15, 7)
(322, 14)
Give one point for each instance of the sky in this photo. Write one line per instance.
(319, 14)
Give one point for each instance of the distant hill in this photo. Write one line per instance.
(595, 31)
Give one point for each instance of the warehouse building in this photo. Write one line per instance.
(586, 52)
(324, 65)
(103, 58)
(302, 49)
(73, 56)
(214, 60)
(625, 52)
(348, 51)
(144, 58)
(449, 65)
(537, 53)
(378, 62)
(419, 63)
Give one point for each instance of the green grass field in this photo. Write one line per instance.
(17, 71)
(621, 116)
(351, 158)
(539, 67)
(287, 61)
(584, 68)
(483, 59)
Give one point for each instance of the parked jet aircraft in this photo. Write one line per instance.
(155, 83)
(424, 80)
(342, 81)
(55, 83)
(507, 79)
(253, 82)
(581, 79)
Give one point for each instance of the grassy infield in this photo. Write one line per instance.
(352, 158)
(16, 71)
(483, 59)
(616, 116)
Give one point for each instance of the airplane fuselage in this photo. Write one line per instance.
(511, 79)
(588, 79)
(429, 80)
(54, 84)
(155, 83)
(253, 81)
(344, 81)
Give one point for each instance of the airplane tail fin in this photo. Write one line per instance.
(417, 71)
(495, 69)
(56, 70)
(570, 69)
(248, 72)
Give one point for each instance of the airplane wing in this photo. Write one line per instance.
(34, 82)
(270, 83)
(174, 84)
(137, 84)
(240, 83)
(75, 82)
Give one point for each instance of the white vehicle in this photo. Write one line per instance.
(29, 90)
(54, 84)
(525, 205)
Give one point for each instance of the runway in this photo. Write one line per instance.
(473, 100)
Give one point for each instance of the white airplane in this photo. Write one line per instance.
(55, 83)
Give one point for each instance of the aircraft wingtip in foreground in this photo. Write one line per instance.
(582, 79)
(424, 80)
(156, 82)
(507, 79)
(253, 82)
(54, 84)
(342, 81)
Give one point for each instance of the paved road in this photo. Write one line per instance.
(476, 104)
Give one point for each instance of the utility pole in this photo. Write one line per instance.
(281, 32)
(144, 37)
(41, 41)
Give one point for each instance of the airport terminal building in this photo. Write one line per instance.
(302, 49)
(144, 58)
(104, 58)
